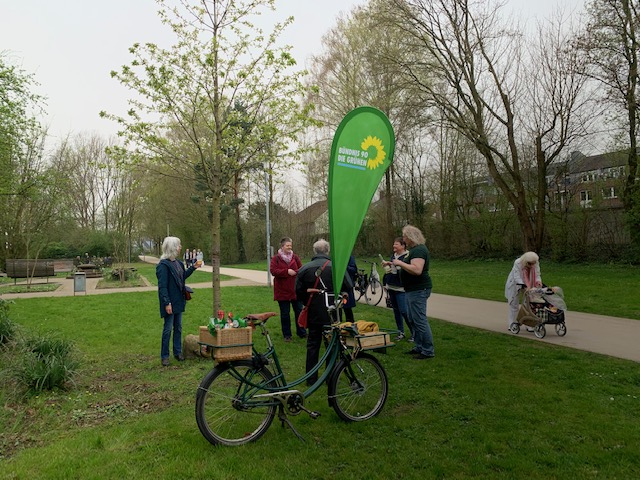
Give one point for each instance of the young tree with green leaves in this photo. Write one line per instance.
(184, 96)
(28, 187)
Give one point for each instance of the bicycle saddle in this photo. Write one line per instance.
(260, 317)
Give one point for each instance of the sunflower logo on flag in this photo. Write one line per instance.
(374, 142)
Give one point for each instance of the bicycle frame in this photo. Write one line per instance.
(278, 383)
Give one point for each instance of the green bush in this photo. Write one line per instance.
(45, 363)
(7, 327)
(57, 250)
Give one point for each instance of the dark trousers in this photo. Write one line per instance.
(348, 314)
(314, 342)
(285, 317)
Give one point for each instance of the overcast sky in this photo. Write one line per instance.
(70, 46)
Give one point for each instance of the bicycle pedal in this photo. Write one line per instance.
(314, 415)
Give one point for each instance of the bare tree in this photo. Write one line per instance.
(80, 157)
(472, 71)
(611, 43)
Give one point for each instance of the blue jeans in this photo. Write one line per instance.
(285, 317)
(399, 304)
(172, 322)
(417, 311)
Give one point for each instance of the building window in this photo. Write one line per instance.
(588, 177)
(563, 198)
(585, 198)
(609, 192)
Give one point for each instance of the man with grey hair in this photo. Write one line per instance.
(318, 316)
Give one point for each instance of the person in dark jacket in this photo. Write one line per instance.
(352, 270)
(395, 289)
(318, 316)
(171, 275)
(284, 267)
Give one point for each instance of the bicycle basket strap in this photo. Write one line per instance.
(315, 285)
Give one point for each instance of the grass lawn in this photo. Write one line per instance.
(590, 288)
(148, 271)
(38, 284)
(488, 406)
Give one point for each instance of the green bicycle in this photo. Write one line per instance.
(237, 401)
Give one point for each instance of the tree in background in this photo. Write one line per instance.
(611, 44)
(474, 74)
(359, 67)
(29, 189)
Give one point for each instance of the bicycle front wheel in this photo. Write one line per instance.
(374, 292)
(359, 289)
(358, 388)
(227, 411)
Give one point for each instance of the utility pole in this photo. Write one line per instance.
(267, 203)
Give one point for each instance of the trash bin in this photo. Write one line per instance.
(79, 282)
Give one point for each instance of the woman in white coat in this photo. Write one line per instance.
(524, 274)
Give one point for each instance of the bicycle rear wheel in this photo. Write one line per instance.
(227, 412)
(374, 292)
(358, 388)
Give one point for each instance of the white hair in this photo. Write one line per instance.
(321, 247)
(529, 257)
(170, 247)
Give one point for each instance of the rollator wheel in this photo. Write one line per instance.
(514, 328)
(539, 331)
(561, 329)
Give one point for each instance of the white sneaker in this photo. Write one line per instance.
(400, 336)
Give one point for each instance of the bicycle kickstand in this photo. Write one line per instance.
(284, 419)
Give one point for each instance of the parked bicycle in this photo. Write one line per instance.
(369, 285)
(237, 401)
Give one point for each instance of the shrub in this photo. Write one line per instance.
(7, 327)
(45, 364)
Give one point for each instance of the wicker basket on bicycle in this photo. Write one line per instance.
(228, 343)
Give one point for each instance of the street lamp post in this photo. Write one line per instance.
(268, 228)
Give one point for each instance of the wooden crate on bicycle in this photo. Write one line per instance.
(369, 340)
(229, 343)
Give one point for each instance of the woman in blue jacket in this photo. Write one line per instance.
(171, 275)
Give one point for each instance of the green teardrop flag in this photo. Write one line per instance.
(361, 152)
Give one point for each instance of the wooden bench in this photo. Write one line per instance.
(21, 268)
(90, 270)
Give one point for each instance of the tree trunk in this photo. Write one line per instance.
(242, 254)
(215, 238)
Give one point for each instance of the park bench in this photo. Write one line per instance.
(21, 268)
(90, 270)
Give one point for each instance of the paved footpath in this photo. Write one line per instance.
(617, 337)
